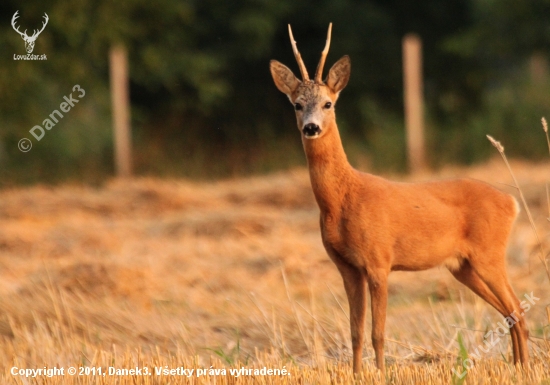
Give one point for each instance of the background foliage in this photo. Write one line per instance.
(203, 102)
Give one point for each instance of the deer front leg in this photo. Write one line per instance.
(355, 285)
(378, 288)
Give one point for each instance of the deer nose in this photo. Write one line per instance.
(311, 130)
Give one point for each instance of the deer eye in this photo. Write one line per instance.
(298, 107)
(327, 105)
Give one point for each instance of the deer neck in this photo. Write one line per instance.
(329, 170)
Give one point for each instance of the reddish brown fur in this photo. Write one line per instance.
(371, 226)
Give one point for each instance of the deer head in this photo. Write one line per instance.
(29, 40)
(313, 100)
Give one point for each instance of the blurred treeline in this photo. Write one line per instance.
(203, 101)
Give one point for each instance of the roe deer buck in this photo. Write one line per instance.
(371, 226)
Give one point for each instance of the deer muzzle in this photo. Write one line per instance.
(311, 130)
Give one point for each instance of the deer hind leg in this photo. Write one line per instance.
(468, 276)
(520, 326)
(355, 285)
(495, 277)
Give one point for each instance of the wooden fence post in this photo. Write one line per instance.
(120, 106)
(414, 109)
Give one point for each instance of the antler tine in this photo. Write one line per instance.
(319, 72)
(44, 23)
(13, 20)
(303, 70)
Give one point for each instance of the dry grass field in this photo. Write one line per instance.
(232, 274)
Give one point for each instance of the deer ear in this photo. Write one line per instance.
(338, 75)
(283, 77)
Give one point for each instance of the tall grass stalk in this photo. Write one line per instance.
(542, 255)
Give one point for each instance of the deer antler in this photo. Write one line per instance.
(305, 76)
(36, 33)
(15, 16)
(24, 34)
(319, 72)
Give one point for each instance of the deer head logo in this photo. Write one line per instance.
(29, 40)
